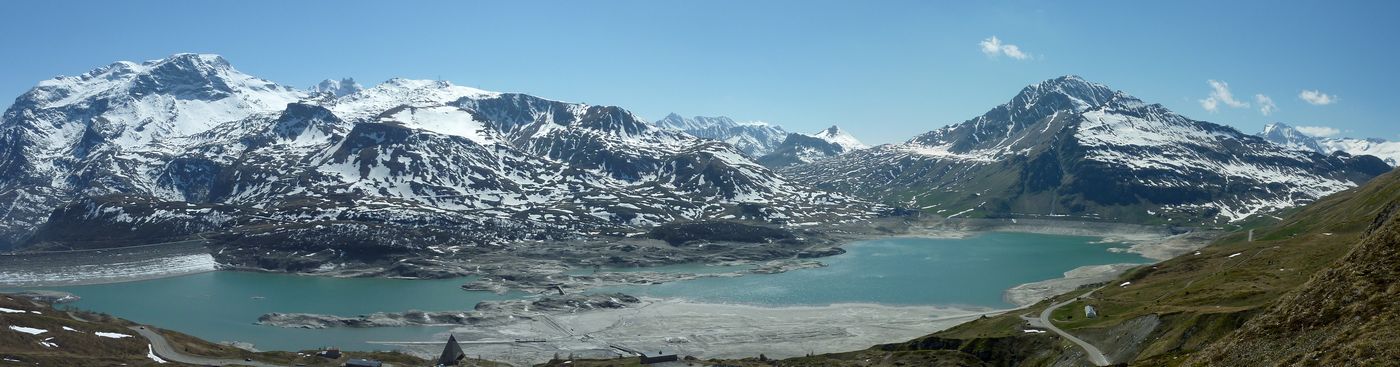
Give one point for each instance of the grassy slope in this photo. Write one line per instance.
(1201, 297)
(81, 347)
(1344, 315)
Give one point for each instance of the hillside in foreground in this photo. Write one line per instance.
(35, 333)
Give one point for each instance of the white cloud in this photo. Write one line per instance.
(1318, 131)
(993, 47)
(1220, 93)
(1317, 98)
(1266, 104)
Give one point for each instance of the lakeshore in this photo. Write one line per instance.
(882, 290)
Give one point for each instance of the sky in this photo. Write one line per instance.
(882, 70)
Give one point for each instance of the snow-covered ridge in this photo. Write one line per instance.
(192, 129)
(135, 104)
(366, 104)
(1386, 150)
(1096, 150)
(755, 138)
(1289, 137)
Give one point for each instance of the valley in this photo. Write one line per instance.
(715, 311)
(186, 194)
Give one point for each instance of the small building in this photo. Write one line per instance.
(451, 353)
(332, 353)
(1090, 312)
(364, 363)
(645, 359)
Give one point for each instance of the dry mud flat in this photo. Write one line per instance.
(704, 330)
(104, 266)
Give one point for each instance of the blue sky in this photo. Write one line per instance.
(884, 70)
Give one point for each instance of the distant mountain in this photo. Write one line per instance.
(840, 137)
(1386, 150)
(167, 149)
(336, 88)
(800, 148)
(753, 138)
(769, 145)
(1067, 147)
(1282, 134)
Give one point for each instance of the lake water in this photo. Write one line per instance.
(972, 271)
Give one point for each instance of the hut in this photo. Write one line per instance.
(451, 353)
(1090, 312)
(645, 359)
(331, 353)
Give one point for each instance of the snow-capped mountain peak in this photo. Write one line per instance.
(1067, 146)
(840, 137)
(336, 88)
(1069, 92)
(1282, 134)
(1289, 137)
(400, 156)
(134, 104)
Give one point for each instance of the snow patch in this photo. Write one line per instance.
(28, 330)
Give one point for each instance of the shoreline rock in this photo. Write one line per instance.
(485, 313)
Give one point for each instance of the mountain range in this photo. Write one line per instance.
(1288, 136)
(1067, 147)
(189, 146)
(767, 144)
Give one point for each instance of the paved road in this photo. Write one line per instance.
(1095, 356)
(167, 352)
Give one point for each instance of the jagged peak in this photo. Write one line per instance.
(1081, 93)
(344, 86)
(1274, 127)
(212, 61)
(1288, 136)
(678, 122)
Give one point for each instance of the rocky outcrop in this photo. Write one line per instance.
(488, 312)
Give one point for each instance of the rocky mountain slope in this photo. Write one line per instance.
(1068, 147)
(802, 148)
(189, 146)
(1288, 136)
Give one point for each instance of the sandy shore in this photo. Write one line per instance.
(1030, 293)
(706, 330)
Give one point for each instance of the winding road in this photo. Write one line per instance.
(164, 350)
(1095, 356)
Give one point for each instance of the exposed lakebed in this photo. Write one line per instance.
(971, 272)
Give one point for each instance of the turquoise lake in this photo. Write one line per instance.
(973, 271)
